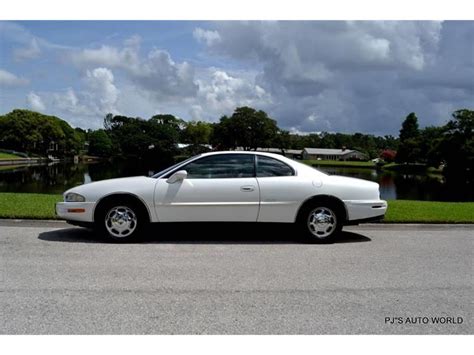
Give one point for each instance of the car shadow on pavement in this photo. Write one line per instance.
(204, 233)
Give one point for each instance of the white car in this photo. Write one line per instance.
(225, 187)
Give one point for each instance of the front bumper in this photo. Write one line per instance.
(365, 209)
(76, 211)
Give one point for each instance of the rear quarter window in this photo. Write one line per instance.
(268, 167)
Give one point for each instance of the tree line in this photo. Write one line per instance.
(450, 145)
(37, 134)
(247, 128)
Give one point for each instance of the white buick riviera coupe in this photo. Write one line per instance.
(225, 187)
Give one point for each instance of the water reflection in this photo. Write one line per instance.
(58, 177)
(403, 186)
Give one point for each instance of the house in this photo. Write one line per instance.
(294, 153)
(333, 154)
(290, 153)
(270, 150)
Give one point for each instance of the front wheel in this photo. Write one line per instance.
(321, 223)
(121, 222)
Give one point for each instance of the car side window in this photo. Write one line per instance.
(221, 167)
(267, 167)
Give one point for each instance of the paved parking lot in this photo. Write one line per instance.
(227, 279)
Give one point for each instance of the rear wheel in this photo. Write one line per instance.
(121, 221)
(321, 222)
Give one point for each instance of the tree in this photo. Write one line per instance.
(387, 142)
(409, 150)
(128, 135)
(282, 140)
(246, 128)
(430, 140)
(388, 155)
(154, 139)
(327, 140)
(409, 127)
(457, 146)
(100, 143)
(164, 132)
(222, 135)
(197, 132)
(33, 132)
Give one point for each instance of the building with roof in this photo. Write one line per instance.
(333, 154)
(290, 153)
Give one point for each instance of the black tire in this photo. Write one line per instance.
(121, 220)
(331, 219)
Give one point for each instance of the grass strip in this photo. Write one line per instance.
(28, 205)
(409, 211)
(9, 156)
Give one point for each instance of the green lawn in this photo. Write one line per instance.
(406, 211)
(356, 164)
(34, 206)
(41, 206)
(8, 156)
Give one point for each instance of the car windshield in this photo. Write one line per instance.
(163, 172)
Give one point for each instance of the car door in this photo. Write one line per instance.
(219, 187)
(281, 191)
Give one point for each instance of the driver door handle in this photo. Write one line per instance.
(247, 188)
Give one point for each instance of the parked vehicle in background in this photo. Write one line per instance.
(226, 186)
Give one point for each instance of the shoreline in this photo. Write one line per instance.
(23, 161)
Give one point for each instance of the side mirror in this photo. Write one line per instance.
(180, 175)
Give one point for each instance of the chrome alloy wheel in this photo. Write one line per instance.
(121, 221)
(322, 222)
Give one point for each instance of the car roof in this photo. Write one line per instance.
(273, 155)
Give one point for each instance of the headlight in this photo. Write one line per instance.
(73, 197)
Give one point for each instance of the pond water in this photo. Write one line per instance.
(58, 177)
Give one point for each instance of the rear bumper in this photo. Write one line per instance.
(365, 210)
(76, 211)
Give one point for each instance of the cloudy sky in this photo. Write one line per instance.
(344, 76)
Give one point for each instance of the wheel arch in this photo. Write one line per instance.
(124, 196)
(329, 199)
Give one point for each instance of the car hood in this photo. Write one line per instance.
(111, 185)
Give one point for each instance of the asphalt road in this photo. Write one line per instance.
(56, 279)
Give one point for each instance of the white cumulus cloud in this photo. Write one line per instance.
(101, 84)
(10, 79)
(156, 73)
(68, 102)
(164, 78)
(206, 36)
(35, 102)
(220, 93)
(87, 106)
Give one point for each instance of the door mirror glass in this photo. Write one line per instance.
(180, 175)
